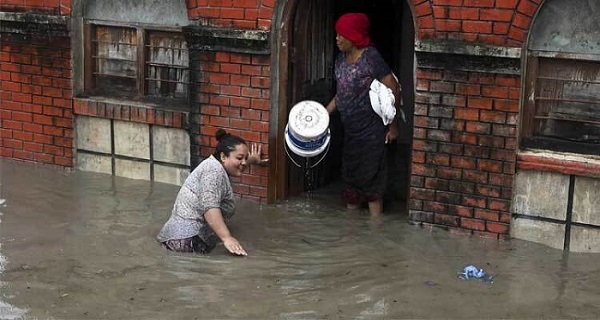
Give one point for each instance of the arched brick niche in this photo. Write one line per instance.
(500, 23)
(555, 199)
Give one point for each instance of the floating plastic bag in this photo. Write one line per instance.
(472, 272)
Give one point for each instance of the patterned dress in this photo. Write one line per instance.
(364, 167)
(207, 187)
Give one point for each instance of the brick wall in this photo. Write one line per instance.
(496, 22)
(35, 87)
(464, 150)
(234, 95)
(241, 14)
(51, 7)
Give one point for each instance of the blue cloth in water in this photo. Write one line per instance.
(471, 271)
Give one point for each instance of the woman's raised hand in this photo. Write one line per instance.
(254, 156)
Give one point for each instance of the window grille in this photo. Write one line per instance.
(137, 63)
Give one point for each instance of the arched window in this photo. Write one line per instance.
(562, 83)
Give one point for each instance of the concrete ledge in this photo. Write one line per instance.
(34, 24)
(465, 48)
(225, 39)
(564, 163)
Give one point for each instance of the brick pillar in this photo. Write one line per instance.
(36, 119)
(464, 148)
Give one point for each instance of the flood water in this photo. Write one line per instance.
(77, 245)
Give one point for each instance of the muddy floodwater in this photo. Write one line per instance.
(76, 245)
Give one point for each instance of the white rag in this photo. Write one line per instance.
(383, 102)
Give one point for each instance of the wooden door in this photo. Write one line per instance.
(312, 55)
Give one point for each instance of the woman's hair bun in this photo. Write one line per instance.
(221, 134)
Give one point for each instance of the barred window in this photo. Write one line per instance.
(137, 63)
(564, 105)
(561, 98)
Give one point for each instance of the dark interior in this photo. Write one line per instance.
(311, 77)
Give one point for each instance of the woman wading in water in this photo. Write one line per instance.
(364, 167)
(206, 200)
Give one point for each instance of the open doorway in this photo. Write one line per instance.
(307, 67)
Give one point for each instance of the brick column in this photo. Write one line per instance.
(36, 119)
(464, 148)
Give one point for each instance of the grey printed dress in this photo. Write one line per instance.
(207, 187)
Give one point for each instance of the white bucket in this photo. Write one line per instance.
(307, 132)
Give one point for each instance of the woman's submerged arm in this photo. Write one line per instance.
(215, 220)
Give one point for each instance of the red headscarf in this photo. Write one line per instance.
(354, 27)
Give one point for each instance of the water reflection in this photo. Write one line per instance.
(81, 245)
(7, 311)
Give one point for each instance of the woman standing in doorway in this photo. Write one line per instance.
(205, 201)
(364, 167)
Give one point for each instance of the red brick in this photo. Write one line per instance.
(489, 191)
(468, 89)
(496, 15)
(492, 116)
(11, 86)
(460, 211)
(474, 201)
(449, 173)
(422, 194)
(423, 9)
(477, 26)
(478, 127)
(15, 125)
(461, 186)
(13, 144)
(475, 176)
(486, 215)
(448, 25)
(492, 39)
(517, 34)
(446, 220)
(466, 114)
(494, 92)
(33, 147)
(500, 205)
(502, 180)
(448, 197)
(465, 138)
(432, 206)
(437, 184)
(423, 170)
(490, 165)
(480, 102)
(527, 7)
(418, 157)
(429, 74)
(497, 227)
(479, 3)
(461, 13)
(472, 224)
(501, 27)
(463, 162)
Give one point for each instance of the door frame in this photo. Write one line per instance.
(281, 28)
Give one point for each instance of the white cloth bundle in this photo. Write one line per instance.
(383, 102)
